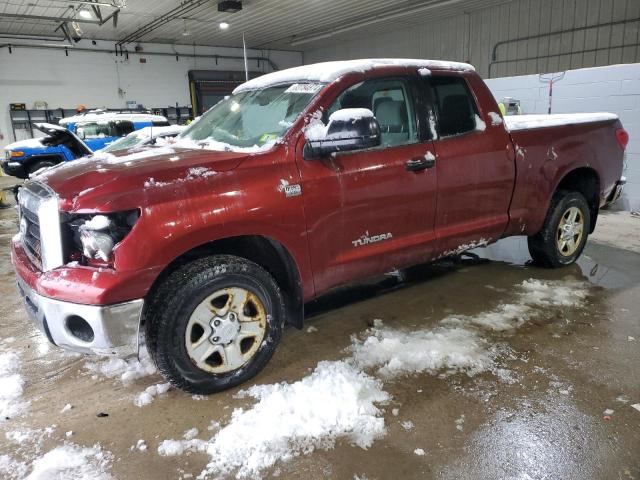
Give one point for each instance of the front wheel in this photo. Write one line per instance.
(215, 323)
(564, 233)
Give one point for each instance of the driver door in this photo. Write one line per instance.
(366, 212)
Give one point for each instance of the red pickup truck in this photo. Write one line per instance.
(302, 180)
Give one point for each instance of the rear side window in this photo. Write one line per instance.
(457, 110)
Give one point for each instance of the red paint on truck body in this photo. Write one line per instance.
(485, 185)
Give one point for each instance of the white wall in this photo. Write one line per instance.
(612, 89)
(99, 79)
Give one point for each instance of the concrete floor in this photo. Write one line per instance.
(547, 424)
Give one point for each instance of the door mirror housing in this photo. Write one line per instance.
(348, 129)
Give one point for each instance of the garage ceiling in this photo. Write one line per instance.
(282, 24)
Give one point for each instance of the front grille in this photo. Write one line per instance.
(31, 196)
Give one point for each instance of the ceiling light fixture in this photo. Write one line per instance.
(223, 25)
(85, 13)
(185, 32)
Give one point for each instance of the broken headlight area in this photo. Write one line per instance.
(93, 237)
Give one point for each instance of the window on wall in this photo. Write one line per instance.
(457, 110)
(391, 104)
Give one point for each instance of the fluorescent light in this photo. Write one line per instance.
(85, 13)
(223, 25)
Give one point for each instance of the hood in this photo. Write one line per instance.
(25, 144)
(55, 135)
(124, 180)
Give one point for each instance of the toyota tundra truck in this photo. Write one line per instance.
(303, 180)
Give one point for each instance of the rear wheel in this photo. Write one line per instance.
(564, 233)
(216, 323)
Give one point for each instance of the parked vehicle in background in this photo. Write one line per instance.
(144, 137)
(59, 145)
(99, 128)
(90, 132)
(301, 181)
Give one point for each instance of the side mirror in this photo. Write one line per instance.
(348, 129)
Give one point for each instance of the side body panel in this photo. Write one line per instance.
(366, 214)
(544, 156)
(476, 174)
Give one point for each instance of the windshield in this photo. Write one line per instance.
(251, 120)
(125, 143)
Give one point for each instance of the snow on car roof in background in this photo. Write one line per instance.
(158, 131)
(108, 116)
(330, 71)
(523, 122)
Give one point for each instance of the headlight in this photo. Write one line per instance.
(97, 235)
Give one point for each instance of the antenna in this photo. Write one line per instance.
(246, 68)
(550, 79)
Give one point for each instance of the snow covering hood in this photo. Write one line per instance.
(330, 71)
(113, 182)
(21, 144)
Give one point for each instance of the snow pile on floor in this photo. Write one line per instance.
(150, 393)
(532, 297)
(335, 401)
(127, 370)
(72, 462)
(11, 386)
(457, 344)
(427, 350)
(11, 469)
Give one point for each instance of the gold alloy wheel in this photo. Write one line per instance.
(225, 330)
(570, 231)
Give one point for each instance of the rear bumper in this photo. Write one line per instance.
(112, 329)
(617, 191)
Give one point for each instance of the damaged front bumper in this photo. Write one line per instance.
(95, 329)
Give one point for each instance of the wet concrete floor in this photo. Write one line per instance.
(546, 423)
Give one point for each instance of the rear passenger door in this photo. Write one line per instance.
(367, 213)
(474, 166)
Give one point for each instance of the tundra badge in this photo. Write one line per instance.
(366, 239)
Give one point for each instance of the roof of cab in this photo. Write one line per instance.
(329, 71)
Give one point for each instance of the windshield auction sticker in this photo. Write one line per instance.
(304, 88)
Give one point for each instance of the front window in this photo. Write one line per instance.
(249, 120)
(391, 104)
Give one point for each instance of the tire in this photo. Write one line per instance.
(39, 165)
(549, 247)
(190, 301)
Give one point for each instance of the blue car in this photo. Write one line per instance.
(76, 137)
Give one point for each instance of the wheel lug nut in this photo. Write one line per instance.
(215, 339)
(217, 323)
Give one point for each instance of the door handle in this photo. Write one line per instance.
(420, 163)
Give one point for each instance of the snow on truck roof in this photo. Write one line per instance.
(329, 71)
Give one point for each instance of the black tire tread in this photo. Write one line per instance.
(161, 309)
(542, 246)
